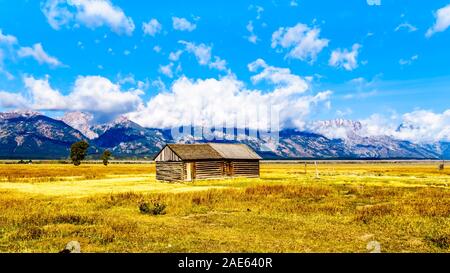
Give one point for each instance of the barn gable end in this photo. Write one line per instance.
(167, 154)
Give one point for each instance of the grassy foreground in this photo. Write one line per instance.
(404, 207)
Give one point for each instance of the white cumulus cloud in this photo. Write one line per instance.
(166, 70)
(419, 126)
(95, 93)
(157, 48)
(302, 42)
(92, 94)
(38, 53)
(442, 21)
(7, 38)
(201, 51)
(218, 64)
(175, 56)
(90, 13)
(152, 27)
(284, 81)
(7, 51)
(345, 58)
(182, 24)
(12, 100)
(203, 55)
(43, 96)
(226, 101)
(252, 38)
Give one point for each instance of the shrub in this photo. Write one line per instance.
(439, 240)
(155, 208)
(197, 200)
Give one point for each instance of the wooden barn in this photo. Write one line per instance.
(187, 162)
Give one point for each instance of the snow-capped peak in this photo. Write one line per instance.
(340, 123)
(19, 113)
(122, 122)
(80, 121)
(336, 128)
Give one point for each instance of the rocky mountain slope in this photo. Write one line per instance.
(32, 135)
(126, 138)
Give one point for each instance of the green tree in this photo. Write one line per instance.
(105, 157)
(78, 152)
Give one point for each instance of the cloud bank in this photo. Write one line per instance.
(93, 94)
(420, 126)
(228, 102)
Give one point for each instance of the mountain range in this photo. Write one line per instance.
(32, 135)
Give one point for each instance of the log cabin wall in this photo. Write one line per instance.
(177, 171)
(170, 171)
(208, 169)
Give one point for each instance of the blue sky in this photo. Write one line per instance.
(399, 63)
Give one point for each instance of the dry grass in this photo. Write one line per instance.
(67, 172)
(405, 207)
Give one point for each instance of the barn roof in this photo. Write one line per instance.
(234, 151)
(213, 151)
(194, 151)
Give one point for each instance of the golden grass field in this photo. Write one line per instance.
(403, 206)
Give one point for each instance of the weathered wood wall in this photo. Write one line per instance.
(176, 171)
(170, 171)
(208, 169)
(245, 168)
(167, 155)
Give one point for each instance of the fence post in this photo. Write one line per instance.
(317, 171)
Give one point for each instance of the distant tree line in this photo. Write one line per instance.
(25, 161)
